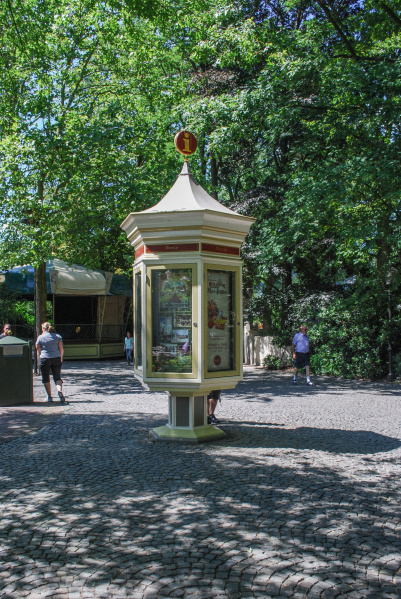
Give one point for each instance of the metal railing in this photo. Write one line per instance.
(23, 331)
(91, 332)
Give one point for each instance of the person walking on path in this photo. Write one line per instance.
(51, 358)
(128, 345)
(6, 331)
(301, 355)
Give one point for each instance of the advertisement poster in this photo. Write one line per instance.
(175, 291)
(220, 342)
(171, 320)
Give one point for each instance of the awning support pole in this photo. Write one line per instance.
(101, 319)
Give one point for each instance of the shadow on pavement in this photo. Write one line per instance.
(97, 378)
(17, 421)
(255, 434)
(259, 384)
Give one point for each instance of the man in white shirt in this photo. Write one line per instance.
(300, 353)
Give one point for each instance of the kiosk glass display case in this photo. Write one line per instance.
(138, 320)
(171, 330)
(221, 318)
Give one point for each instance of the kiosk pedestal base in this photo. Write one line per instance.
(196, 435)
(187, 421)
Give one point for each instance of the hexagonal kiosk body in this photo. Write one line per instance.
(187, 303)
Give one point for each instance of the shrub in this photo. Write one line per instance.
(271, 362)
(349, 333)
(348, 341)
(397, 366)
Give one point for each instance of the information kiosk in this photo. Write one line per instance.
(187, 300)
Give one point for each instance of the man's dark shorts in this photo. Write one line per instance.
(53, 364)
(301, 359)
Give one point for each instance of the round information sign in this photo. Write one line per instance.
(185, 142)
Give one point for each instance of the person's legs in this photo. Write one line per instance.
(301, 360)
(128, 354)
(212, 404)
(59, 385)
(307, 368)
(45, 371)
(213, 398)
(308, 381)
(298, 363)
(48, 388)
(56, 370)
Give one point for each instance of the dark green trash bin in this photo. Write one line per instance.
(16, 375)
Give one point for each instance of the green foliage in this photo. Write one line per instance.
(349, 336)
(346, 344)
(167, 363)
(23, 313)
(304, 133)
(82, 122)
(18, 312)
(296, 106)
(397, 366)
(6, 307)
(271, 362)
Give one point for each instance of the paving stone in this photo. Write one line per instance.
(300, 500)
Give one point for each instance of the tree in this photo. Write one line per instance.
(80, 126)
(298, 107)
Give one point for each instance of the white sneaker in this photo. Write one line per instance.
(309, 383)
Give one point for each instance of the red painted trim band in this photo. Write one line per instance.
(220, 249)
(172, 247)
(139, 251)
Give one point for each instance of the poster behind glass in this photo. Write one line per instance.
(220, 321)
(172, 320)
(138, 321)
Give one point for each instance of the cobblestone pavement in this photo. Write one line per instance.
(17, 421)
(301, 500)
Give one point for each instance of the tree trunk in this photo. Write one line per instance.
(214, 171)
(286, 285)
(201, 147)
(267, 322)
(40, 297)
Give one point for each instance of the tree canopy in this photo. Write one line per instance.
(296, 106)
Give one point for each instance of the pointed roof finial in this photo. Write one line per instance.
(185, 143)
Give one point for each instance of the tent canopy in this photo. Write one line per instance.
(77, 280)
(65, 279)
